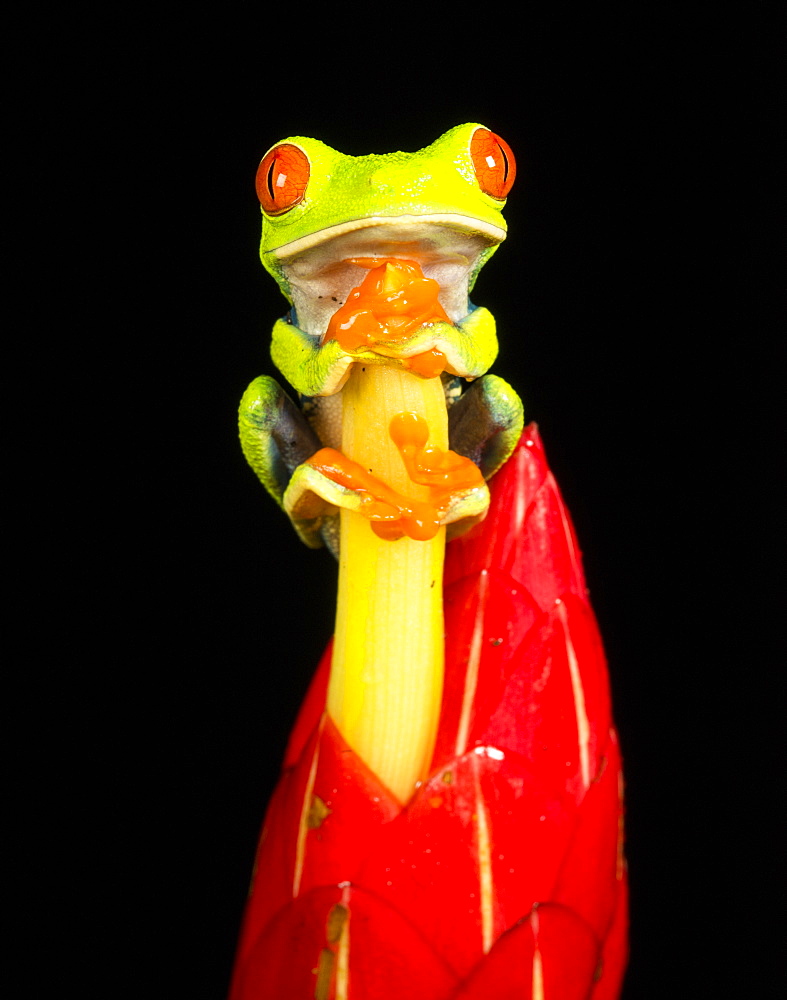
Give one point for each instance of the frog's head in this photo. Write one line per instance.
(441, 207)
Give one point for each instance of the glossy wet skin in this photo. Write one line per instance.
(377, 255)
(440, 207)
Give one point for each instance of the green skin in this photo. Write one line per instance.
(427, 207)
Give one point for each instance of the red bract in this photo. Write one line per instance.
(504, 875)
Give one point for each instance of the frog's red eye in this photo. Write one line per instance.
(282, 178)
(494, 163)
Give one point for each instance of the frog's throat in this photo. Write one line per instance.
(315, 369)
(317, 274)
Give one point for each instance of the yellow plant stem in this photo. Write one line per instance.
(386, 680)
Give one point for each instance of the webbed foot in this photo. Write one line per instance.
(455, 494)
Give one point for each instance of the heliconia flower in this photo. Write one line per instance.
(504, 875)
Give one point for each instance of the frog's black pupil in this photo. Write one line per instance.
(269, 179)
(505, 161)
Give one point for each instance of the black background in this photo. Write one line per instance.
(635, 300)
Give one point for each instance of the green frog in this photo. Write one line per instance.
(419, 226)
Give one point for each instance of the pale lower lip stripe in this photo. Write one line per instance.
(465, 222)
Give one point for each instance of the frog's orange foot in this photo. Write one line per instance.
(457, 493)
(392, 303)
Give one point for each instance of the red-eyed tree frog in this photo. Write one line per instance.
(418, 227)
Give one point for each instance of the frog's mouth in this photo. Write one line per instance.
(320, 271)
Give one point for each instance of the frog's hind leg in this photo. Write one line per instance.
(485, 423)
(276, 438)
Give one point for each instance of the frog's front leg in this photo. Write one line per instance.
(485, 424)
(445, 488)
(277, 439)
